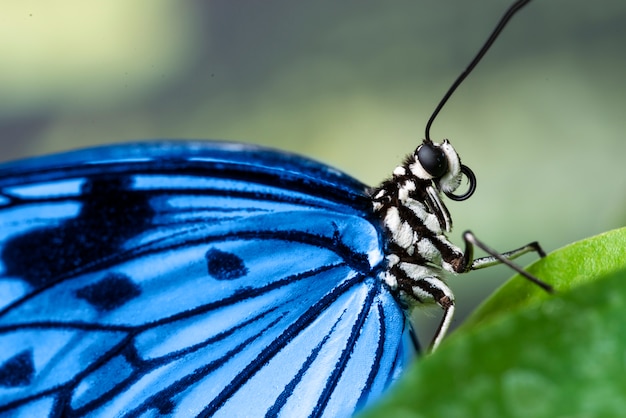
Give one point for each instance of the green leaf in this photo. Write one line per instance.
(533, 355)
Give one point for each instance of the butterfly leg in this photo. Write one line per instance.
(441, 292)
(447, 304)
(469, 263)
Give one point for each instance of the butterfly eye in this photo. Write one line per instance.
(432, 159)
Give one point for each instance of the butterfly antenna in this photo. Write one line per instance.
(494, 35)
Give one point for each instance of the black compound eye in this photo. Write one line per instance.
(433, 160)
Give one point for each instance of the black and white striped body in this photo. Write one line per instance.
(415, 219)
(418, 253)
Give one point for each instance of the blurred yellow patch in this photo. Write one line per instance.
(75, 53)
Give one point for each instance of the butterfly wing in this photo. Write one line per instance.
(191, 278)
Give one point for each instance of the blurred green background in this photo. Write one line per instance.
(541, 120)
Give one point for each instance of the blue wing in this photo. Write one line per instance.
(191, 278)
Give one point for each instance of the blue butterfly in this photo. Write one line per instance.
(192, 278)
(221, 279)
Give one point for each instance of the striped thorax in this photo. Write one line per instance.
(416, 220)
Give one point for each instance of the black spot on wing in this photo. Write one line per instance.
(111, 213)
(225, 266)
(113, 291)
(18, 370)
(164, 405)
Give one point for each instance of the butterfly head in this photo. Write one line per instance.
(441, 164)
